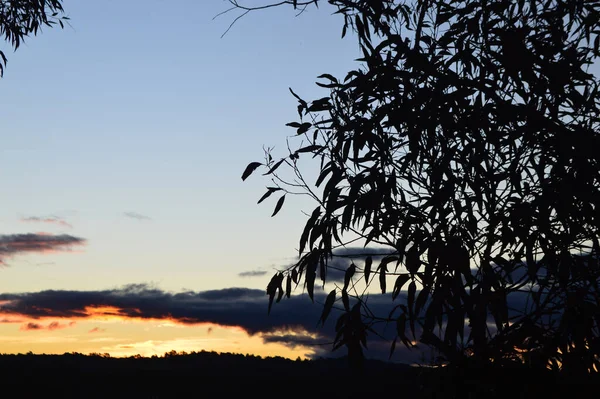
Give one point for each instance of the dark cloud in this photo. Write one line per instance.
(47, 219)
(137, 216)
(253, 273)
(16, 244)
(294, 340)
(362, 253)
(344, 257)
(292, 322)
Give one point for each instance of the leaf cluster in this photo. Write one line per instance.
(22, 18)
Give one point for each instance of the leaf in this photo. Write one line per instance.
(400, 281)
(309, 148)
(288, 286)
(412, 287)
(368, 263)
(328, 76)
(348, 276)
(303, 128)
(297, 97)
(249, 169)
(274, 167)
(272, 289)
(421, 299)
(268, 194)
(311, 274)
(329, 301)
(412, 260)
(346, 300)
(393, 347)
(278, 205)
(382, 271)
(310, 223)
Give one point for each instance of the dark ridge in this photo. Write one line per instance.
(202, 374)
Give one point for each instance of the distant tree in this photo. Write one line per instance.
(466, 142)
(22, 18)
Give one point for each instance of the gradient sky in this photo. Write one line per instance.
(124, 137)
(124, 222)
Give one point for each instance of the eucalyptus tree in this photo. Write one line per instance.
(466, 142)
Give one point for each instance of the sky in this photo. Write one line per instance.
(125, 225)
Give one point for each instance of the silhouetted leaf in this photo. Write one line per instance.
(412, 260)
(278, 205)
(288, 286)
(348, 276)
(266, 195)
(328, 76)
(249, 169)
(400, 281)
(310, 223)
(303, 128)
(421, 299)
(275, 166)
(329, 301)
(382, 270)
(272, 289)
(367, 271)
(309, 148)
(311, 275)
(392, 348)
(345, 300)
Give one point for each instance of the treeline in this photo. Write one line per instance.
(198, 374)
(195, 374)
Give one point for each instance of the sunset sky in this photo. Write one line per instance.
(124, 224)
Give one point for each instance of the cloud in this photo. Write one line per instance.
(344, 257)
(16, 244)
(96, 330)
(293, 321)
(137, 216)
(31, 327)
(55, 325)
(48, 219)
(252, 273)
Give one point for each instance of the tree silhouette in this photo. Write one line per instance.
(22, 18)
(466, 142)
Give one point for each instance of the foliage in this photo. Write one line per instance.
(21, 18)
(466, 143)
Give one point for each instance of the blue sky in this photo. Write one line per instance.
(141, 106)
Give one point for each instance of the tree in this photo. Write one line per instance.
(22, 18)
(465, 142)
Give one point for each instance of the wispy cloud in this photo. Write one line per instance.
(55, 325)
(137, 216)
(47, 219)
(252, 273)
(96, 330)
(17, 244)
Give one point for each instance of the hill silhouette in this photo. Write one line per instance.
(202, 374)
